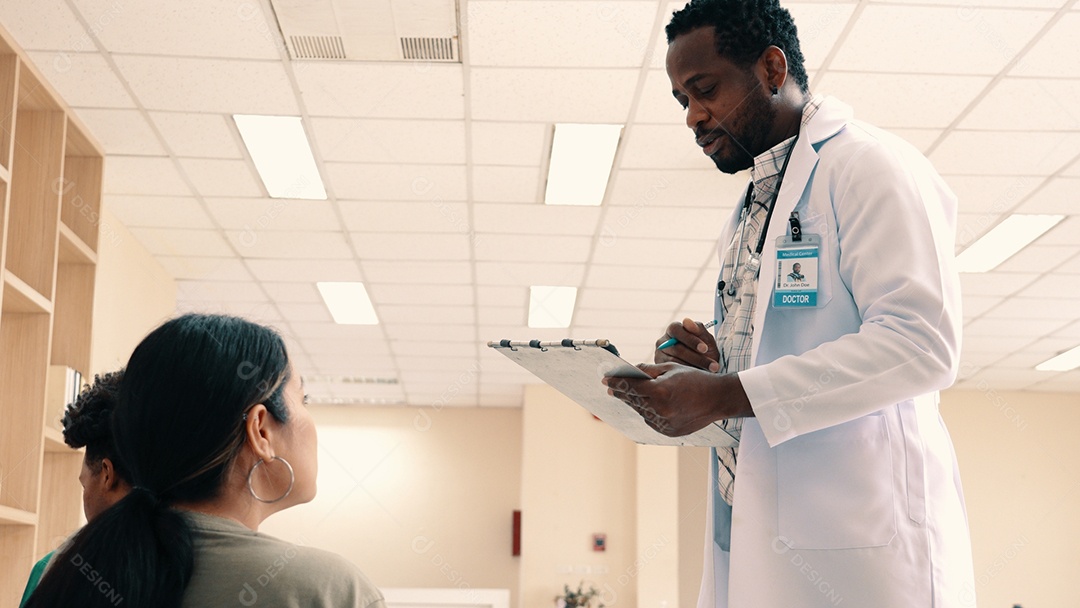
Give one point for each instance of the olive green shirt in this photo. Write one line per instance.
(235, 566)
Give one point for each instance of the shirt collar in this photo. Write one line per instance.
(767, 164)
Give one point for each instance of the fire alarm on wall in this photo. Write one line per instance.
(599, 542)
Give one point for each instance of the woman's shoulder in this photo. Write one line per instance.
(259, 566)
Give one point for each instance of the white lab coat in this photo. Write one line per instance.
(846, 490)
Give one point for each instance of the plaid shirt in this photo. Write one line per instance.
(734, 337)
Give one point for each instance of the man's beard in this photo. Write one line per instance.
(748, 134)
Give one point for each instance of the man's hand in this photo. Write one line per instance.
(696, 346)
(679, 399)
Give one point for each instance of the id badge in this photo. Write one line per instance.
(797, 272)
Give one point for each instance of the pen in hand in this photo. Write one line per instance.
(672, 341)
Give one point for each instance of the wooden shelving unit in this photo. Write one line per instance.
(50, 192)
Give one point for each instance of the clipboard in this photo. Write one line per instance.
(575, 368)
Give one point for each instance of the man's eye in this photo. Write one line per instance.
(708, 90)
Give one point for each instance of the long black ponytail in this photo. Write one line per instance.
(178, 426)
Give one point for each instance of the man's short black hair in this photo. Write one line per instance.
(88, 421)
(744, 28)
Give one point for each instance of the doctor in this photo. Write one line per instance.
(843, 489)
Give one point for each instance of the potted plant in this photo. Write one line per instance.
(580, 597)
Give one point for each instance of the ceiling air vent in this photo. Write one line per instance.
(316, 47)
(370, 30)
(428, 49)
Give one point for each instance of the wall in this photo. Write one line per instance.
(133, 294)
(1018, 462)
(416, 498)
(578, 478)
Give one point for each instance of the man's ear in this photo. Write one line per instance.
(773, 66)
(108, 476)
(257, 431)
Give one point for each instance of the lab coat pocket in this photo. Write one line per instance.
(834, 487)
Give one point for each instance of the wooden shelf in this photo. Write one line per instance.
(54, 441)
(20, 297)
(73, 250)
(11, 515)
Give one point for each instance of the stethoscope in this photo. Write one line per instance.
(755, 258)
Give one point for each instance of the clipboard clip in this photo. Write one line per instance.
(537, 344)
(506, 344)
(569, 343)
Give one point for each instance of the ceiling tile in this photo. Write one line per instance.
(273, 214)
(553, 95)
(820, 26)
(231, 28)
(560, 34)
(290, 245)
(932, 40)
(662, 147)
(217, 291)
(198, 135)
(995, 283)
(222, 177)
(975, 306)
(418, 273)
(506, 184)
(535, 219)
(648, 253)
(123, 132)
(1053, 56)
(383, 90)
(45, 25)
(1023, 307)
(1019, 327)
(435, 312)
(628, 276)
(922, 139)
(628, 299)
(304, 330)
(1039, 258)
(986, 197)
(1062, 234)
(143, 175)
(904, 100)
(1054, 285)
(83, 79)
(677, 188)
(390, 141)
(1049, 105)
(304, 270)
(1005, 152)
(158, 211)
(424, 331)
(504, 315)
(375, 246)
(528, 247)
(305, 312)
(496, 295)
(657, 105)
(452, 295)
(509, 143)
(259, 312)
(400, 217)
(397, 182)
(294, 293)
(183, 242)
(205, 269)
(691, 223)
(1058, 195)
(182, 84)
(523, 274)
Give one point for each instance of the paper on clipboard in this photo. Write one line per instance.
(575, 368)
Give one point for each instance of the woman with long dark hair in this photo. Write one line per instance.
(212, 425)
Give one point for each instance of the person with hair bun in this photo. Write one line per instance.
(212, 426)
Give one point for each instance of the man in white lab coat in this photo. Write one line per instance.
(843, 489)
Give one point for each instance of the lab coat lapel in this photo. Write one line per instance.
(829, 119)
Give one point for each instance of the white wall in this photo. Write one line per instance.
(415, 497)
(1019, 458)
(132, 295)
(578, 478)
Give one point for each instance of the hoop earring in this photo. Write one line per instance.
(292, 480)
